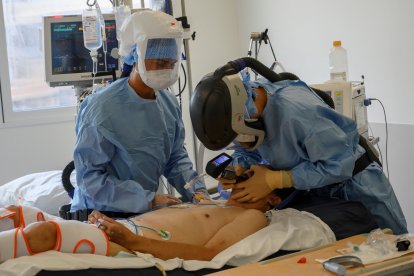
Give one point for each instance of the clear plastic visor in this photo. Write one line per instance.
(162, 54)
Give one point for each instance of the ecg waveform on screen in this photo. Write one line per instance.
(69, 54)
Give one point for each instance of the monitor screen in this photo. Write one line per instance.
(67, 61)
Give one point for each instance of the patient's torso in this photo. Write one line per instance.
(194, 224)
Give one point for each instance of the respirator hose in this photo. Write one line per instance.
(235, 66)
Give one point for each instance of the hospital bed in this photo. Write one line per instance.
(45, 191)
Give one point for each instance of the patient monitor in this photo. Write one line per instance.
(349, 100)
(67, 61)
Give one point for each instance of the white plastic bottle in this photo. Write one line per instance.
(338, 62)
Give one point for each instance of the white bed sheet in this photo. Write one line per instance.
(289, 230)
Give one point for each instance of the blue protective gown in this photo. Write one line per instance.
(320, 147)
(124, 144)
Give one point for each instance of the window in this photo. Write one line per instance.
(25, 96)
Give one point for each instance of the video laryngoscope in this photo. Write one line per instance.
(218, 167)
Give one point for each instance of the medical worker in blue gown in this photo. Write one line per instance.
(130, 133)
(307, 145)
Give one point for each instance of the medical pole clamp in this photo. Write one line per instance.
(258, 38)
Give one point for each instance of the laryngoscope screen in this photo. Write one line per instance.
(220, 160)
(69, 54)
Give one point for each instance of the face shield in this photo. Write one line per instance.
(218, 114)
(158, 39)
(159, 61)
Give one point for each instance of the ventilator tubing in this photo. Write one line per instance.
(27, 215)
(71, 237)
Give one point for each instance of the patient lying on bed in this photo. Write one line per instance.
(196, 232)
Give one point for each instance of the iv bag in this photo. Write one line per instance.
(121, 13)
(92, 35)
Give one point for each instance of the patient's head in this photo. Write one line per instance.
(264, 204)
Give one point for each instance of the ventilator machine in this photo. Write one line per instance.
(349, 100)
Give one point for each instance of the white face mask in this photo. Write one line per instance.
(159, 61)
(160, 79)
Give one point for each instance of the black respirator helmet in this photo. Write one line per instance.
(217, 111)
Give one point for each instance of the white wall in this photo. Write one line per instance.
(377, 34)
(217, 39)
(25, 150)
(379, 38)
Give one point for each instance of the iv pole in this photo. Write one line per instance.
(198, 156)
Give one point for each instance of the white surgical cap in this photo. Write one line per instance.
(147, 24)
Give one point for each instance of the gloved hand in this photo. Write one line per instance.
(262, 182)
(163, 200)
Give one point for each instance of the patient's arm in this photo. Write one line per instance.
(245, 224)
(168, 250)
(161, 249)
